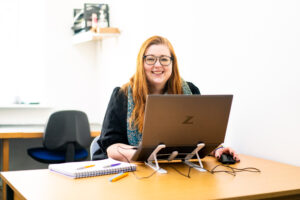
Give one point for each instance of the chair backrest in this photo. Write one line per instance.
(68, 126)
(94, 146)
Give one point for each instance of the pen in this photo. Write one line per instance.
(118, 176)
(84, 167)
(111, 165)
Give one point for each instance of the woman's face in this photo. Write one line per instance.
(158, 65)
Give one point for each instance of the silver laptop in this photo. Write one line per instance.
(181, 122)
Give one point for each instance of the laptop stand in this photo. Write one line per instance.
(155, 166)
(189, 156)
(153, 157)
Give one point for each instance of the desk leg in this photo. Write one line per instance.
(5, 156)
(4, 186)
(5, 163)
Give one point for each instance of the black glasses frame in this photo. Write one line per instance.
(159, 57)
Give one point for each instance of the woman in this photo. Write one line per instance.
(156, 73)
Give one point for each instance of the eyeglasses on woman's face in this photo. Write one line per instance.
(163, 60)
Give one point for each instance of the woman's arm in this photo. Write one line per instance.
(114, 128)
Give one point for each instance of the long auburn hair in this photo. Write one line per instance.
(139, 85)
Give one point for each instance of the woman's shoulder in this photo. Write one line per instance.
(194, 89)
(119, 91)
(118, 96)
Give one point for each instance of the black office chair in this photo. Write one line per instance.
(66, 136)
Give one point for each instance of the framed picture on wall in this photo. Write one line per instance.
(96, 13)
(78, 20)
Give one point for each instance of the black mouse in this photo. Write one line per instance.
(226, 159)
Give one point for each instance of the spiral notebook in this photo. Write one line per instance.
(91, 168)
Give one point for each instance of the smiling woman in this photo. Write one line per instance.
(156, 73)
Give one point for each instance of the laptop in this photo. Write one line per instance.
(181, 122)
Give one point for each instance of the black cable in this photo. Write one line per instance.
(133, 171)
(233, 169)
(212, 171)
(179, 172)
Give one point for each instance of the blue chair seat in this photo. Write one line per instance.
(47, 156)
(66, 138)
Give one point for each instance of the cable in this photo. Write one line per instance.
(212, 171)
(136, 176)
(233, 170)
(187, 176)
(144, 177)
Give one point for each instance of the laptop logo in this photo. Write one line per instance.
(188, 120)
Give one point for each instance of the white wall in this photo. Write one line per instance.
(246, 48)
(251, 49)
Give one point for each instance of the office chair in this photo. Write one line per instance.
(94, 146)
(66, 135)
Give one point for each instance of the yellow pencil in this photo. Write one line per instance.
(119, 176)
(88, 166)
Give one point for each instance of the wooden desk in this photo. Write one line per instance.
(276, 180)
(25, 132)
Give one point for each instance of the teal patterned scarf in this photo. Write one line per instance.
(133, 135)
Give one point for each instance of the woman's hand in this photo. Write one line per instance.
(226, 150)
(121, 152)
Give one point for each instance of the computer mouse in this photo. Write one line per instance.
(226, 159)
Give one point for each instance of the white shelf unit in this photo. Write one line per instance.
(92, 36)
